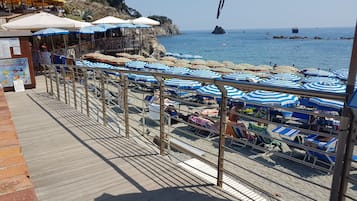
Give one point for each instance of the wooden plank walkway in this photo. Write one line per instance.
(72, 157)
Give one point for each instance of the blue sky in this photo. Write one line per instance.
(245, 14)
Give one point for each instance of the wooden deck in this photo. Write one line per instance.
(72, 157)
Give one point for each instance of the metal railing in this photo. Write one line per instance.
(116, 102)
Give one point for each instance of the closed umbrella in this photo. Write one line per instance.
(286, 76)
(327, 87)
(205, 74)
(213, 91)
(183, 84)
(271, 98)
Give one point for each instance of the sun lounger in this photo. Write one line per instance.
(241, 135)
(291, 137)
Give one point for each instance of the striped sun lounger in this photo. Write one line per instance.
(286, 132)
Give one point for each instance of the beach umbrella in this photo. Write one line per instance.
(200, 67)
(135, 56)
(106, 26)
(214, 64)
(148, 60)
(156, 66)
(178, 71)
(281, 83)
(78, 24)
(145, 20)
(198, 62)
(341, 73)
(311, 79)
(205, 74)
(142, 78)
(51, 32)
(285, 69)
(213, 91)
(38, 21)
(228, 63)
(167, 63)
(286, 76)
(110, 20)
(318, 72)
(136, 65)
(169, 58)
(327, 103)
(183, 84)
(326, 87)
(264, 68)
(242, 77)
(223, 70)
(271, 98)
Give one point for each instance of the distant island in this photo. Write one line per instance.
(218, 30)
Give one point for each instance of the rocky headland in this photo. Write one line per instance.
(96, 9)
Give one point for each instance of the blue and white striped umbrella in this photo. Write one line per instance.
(178, 70)
(310, 79)
(271, 98)
(156, 66)
(183, 84)
(286, 76)
(136, 65)
(318, 72)
(213, 91)
(241, 77)
(142, 78)
(341, 73)
(205, 74)
(327, 87)
(281, 83)
(327, 103)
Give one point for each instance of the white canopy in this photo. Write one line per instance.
(79, 24)
(110, 20)
(145, 20)
(38, 21)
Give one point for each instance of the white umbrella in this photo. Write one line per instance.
(110, 20)
(145, 20)
(39, 21)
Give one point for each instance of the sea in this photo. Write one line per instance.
(257, 46)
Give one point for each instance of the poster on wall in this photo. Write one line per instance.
(14, 69)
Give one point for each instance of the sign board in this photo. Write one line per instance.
(14, 69)
(19, 85)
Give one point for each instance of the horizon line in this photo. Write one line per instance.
(270, 28)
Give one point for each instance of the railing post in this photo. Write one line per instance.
(222, 132)
(103, 98)
(345, 145)
(86, 91)
(74, 88)
(51, 78)
(124, 80)
(46, 74)
(64, 83)
(162, 116)
(57, 84)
